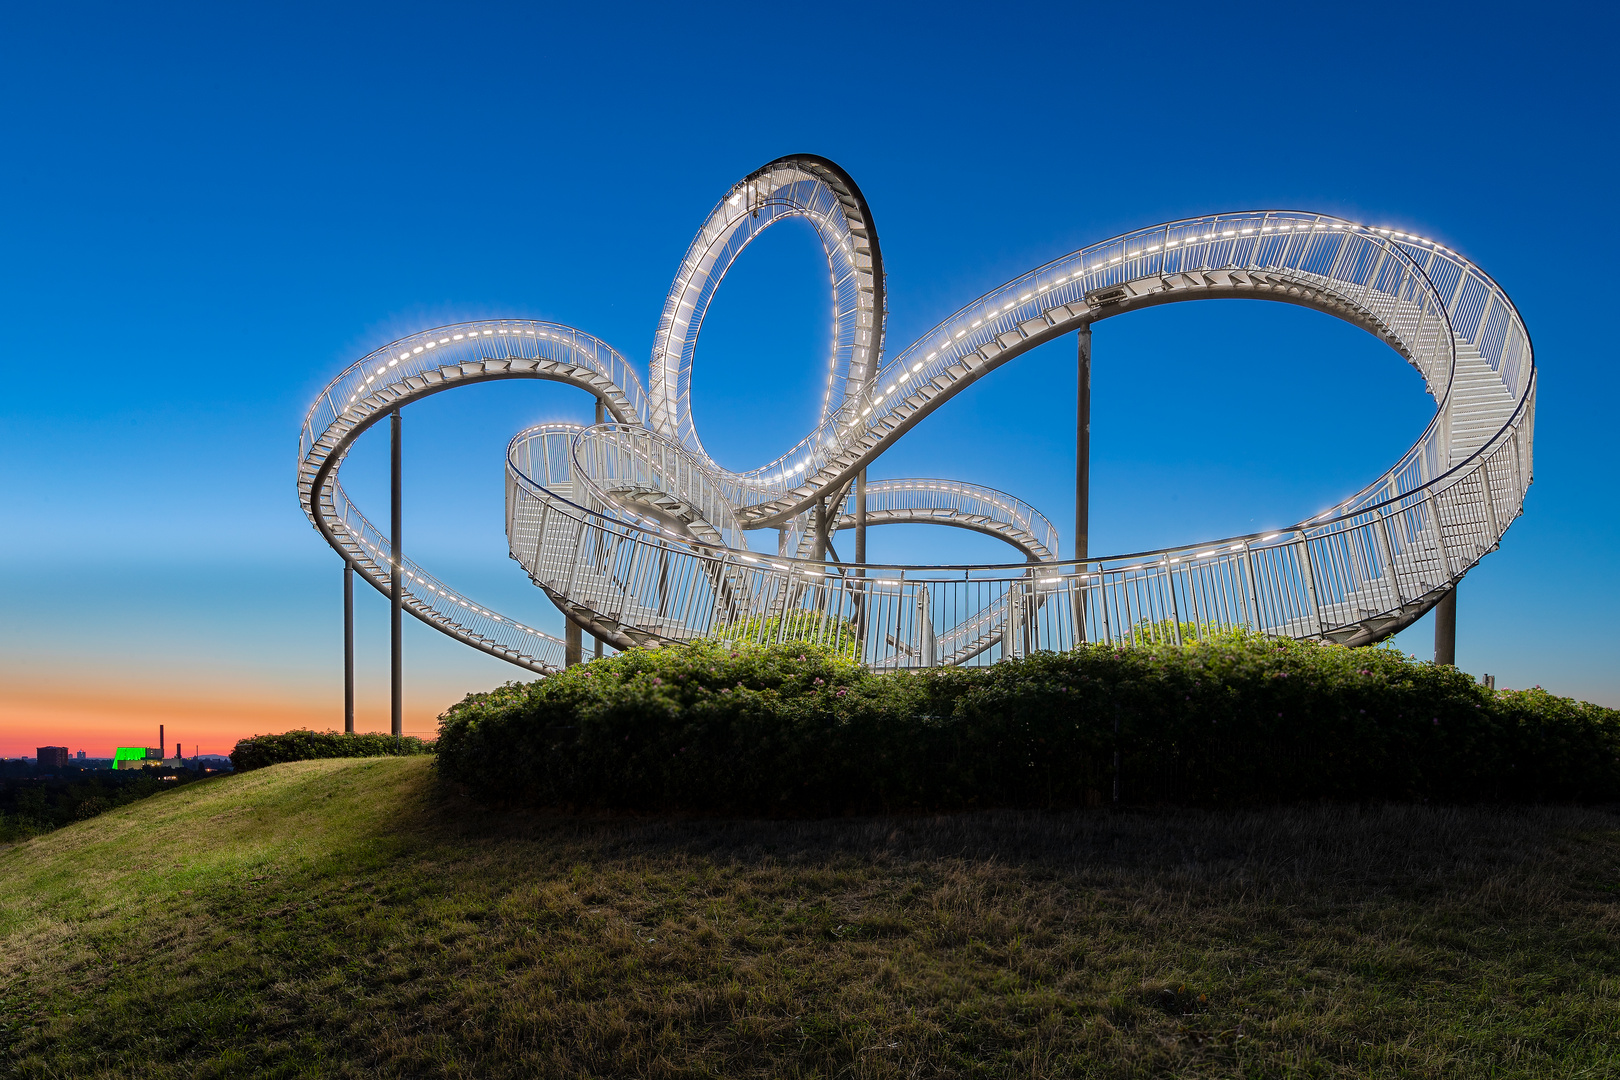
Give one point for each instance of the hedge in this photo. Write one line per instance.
(790, 729)
(302, 745)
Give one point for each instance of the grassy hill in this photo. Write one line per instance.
(342, 918)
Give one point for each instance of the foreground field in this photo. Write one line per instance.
(341, 918)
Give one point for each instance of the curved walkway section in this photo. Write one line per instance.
(636, 533)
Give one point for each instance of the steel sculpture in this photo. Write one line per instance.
(637, 535)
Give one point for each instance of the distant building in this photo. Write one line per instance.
(81, 755)
(51, 757)
(137, 757)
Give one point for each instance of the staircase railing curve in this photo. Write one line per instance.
(637, 534)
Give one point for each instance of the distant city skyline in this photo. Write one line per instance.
(218, 210)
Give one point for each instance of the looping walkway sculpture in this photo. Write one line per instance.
(638, 535)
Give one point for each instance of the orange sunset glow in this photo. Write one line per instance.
(96, 721)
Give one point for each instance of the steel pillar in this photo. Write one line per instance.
(348, 647)
(1082, 469)
(860, 519)
(573, 643)
(860, 558)
(601, 417)
(396, 585)
(822, 518)
(1082, 448)
(1445, 630)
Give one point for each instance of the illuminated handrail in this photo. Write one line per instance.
(635, 532)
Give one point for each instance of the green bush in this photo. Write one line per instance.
(1236, 720)
(301, 745)
(832, 632)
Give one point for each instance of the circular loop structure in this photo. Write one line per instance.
(638, 535)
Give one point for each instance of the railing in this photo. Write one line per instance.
(640, 535)
(1354, 574)
(431, 600)
(1002, 514)
(418, 363)
(1352, 579)
(1376, 275)
(807, 188)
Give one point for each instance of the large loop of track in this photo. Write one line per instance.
(637, 534)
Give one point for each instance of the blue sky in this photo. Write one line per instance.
(211, 210)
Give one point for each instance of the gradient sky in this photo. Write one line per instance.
(209, 211)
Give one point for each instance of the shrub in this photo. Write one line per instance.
(831, 632)
(1231, 720)
(301, 745)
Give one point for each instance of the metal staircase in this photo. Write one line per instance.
(638, 534)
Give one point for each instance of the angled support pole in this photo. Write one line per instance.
(819, 551)
(396, 584)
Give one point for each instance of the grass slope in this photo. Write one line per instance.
(342, 918)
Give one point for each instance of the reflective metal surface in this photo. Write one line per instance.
(636, 532)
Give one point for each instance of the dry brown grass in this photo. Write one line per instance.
(341, 918)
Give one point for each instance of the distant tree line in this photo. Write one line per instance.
(33, 805)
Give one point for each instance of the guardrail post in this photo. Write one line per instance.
(1253, 584)
(1006, 603)
(787, 589)
(1437, 529)
(1078, 606)
(1303, 546)
(1518, 469)
(1102, 602)
(1490, 498)
(1386, 555)
(1175, 608)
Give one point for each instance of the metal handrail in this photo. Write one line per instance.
(638, 533)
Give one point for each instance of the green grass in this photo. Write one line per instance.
(343, 918)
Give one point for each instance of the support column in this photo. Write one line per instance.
(1082, 469)
(1082, 448)
(860, 520)
(396, 585)
(573, 643)
(819, 551)
(860, 560)
(348, 647)
(1445, 630)
(601, 417)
